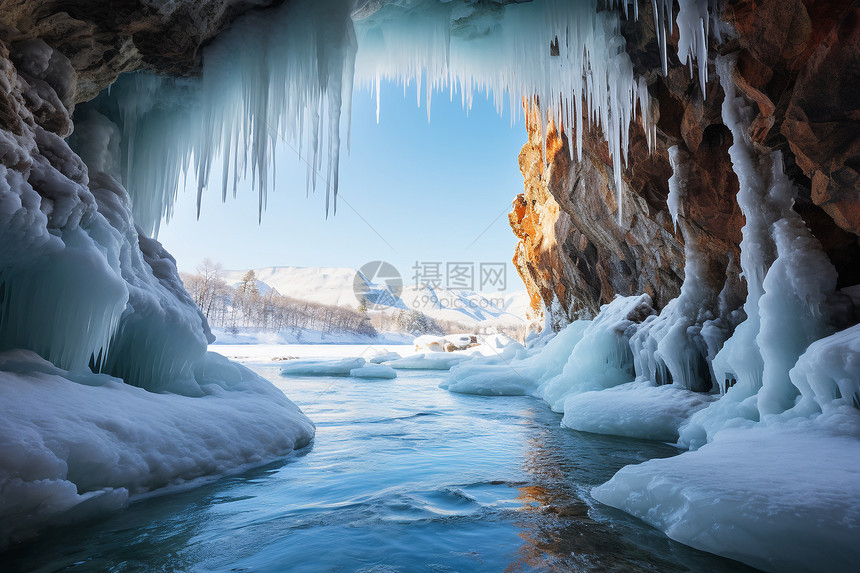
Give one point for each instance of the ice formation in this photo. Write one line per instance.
(311, 367)
(374, 372)
(789, 281)
(107, 392)
(776, 420)
(636, 410)
(586, 355)
(284, 77)
(780, 497)
(77, 444)
(429, 361)
(77, 255)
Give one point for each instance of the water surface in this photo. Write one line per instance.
(402, 476)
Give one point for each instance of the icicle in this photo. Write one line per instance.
(788, 279)
(287, 72)
(693, 22)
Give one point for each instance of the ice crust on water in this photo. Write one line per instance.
(635, 410)
(586, 355)
(340, 367)
(75, 444)
(374, 372)
(430, 361)
(384, 356)
(312, 367)
(284, 77)
(586, 371)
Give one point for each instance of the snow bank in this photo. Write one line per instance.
(430, 343)
(635, 410)
(342, 367)
(374, 371)
(490, 377)
(782, 497)
(76, 444)
(586, 355)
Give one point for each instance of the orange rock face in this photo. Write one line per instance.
(798, 62)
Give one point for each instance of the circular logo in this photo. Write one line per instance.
(377, 285)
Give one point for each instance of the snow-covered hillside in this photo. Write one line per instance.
(335, 286)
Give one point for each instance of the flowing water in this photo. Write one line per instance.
(402, 476)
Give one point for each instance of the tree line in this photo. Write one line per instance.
(244, 306)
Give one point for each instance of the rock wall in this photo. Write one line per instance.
(799, 62)
(104, 39)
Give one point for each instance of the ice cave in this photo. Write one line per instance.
(688, 237)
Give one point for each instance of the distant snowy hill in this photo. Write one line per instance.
(335, 286)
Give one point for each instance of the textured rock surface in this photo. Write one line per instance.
(103, 39)
(799, 62)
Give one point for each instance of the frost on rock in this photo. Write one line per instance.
(789, 283)
(281, 80)
(773, 478)
(676, 346)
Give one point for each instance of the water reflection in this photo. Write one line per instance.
(402, 476)
(561, 531)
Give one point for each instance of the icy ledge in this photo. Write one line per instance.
(780, 497)
(76, 445)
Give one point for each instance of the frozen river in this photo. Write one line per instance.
(402, 476)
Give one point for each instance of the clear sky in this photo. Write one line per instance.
(409, 191)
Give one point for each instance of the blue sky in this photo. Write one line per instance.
(409, 191)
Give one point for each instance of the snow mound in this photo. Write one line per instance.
(634, 410)
(780, 497)
(374, 372)
(310, 367)
(77, 444)
(429, 343)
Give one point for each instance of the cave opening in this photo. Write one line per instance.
(683, 220)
